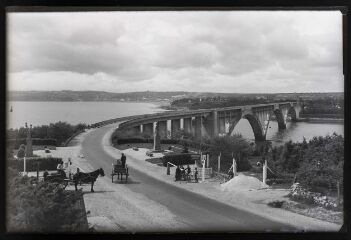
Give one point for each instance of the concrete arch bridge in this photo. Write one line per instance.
(216, 121)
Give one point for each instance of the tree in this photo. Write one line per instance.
(21, 151)
(231, 146)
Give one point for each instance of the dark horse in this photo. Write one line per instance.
(87, 177)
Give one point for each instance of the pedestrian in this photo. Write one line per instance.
(182, 171)
(60, 168)
(69, 168)
(123, 159)
(45, 174)
(188, 172)
(196, 174)
(177, 173)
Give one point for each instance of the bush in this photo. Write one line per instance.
(31, 164)
(120, 141)
(43, 207)
(178, 159)
(276, 204)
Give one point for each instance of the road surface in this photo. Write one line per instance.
(200, 213)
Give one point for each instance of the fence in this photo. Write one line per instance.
(208, 173)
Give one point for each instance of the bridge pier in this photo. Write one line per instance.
(148, 129)
(175, 125)
(137, 129)
(187, 125)
(221, 125)
(162, 128)
(206, 126)
(198, 127)
(215, 130)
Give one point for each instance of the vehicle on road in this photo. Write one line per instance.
(120, 170)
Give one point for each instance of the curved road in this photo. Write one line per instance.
(200, 213)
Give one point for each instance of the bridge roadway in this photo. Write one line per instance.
(201, 213)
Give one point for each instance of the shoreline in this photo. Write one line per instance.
(322, 120)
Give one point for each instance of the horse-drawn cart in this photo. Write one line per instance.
(119, 170)
(59, 178)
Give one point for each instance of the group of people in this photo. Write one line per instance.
(61, 167)
(185, 173)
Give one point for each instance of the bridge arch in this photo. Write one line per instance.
(256, 127)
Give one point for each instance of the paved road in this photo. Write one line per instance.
(200, 213)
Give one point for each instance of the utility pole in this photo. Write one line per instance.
(203, 167)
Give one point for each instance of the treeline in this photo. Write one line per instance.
(316, 105)
(219, 102)
(327, 105)
(318, 163)
(59, 131)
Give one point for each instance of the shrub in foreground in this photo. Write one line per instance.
(42, 207)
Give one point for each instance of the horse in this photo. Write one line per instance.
(87, 177)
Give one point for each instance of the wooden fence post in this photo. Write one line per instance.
(168, 169)
(264, 172)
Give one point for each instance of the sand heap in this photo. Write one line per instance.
(242, 182)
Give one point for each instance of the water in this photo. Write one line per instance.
(295, 131)
(40, 113)
(44, 113)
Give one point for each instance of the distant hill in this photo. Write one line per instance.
(146, 96)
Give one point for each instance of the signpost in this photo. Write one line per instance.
(234, 168)
(24, 165)
(203, 167)
(219, 162)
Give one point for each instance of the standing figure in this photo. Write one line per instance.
(177, 173)
(45, 174)
(123, 159)
(188, 172)
(196, 174)
(60, 169)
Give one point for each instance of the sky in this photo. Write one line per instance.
(200, 51)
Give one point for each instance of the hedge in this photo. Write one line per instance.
(169, 141)
(178, 159)
(31, 164)
(194, 144)
(144, 140)
(35, 141)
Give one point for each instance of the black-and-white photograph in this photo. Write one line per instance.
(174, 121)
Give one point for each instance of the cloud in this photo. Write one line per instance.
(223, 51)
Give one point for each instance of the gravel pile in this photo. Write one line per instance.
(242, 182)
